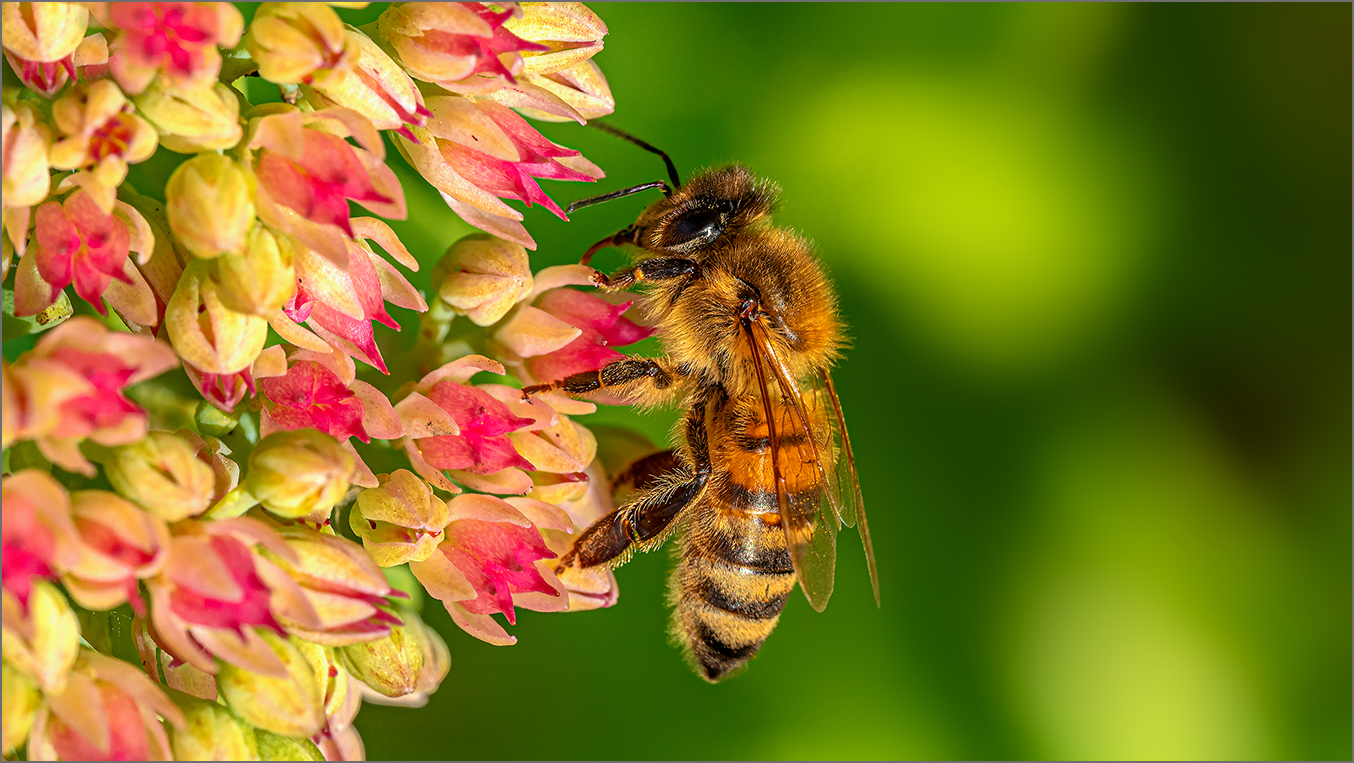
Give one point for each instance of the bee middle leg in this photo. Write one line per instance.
(653, 270)
(644, 524)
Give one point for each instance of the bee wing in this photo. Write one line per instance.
(810, 525)
(852, 506)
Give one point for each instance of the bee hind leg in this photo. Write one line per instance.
(644, 524)
(639, 526)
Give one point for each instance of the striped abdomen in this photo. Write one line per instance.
(735, 573)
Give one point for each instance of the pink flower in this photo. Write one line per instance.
(451, 425)
(458, 46)
(119, 545)
(108, 711)
(341, 303)
(602, 329)
(515, 179)
(565, 331)
(482, 446)
(83, 350)
(318, 393)
(48, 77)
(310, 395)
(307, 173)
(78, 242)
(344, 592)
(225, 391)
(177, 39)
(38, 536)
(476, 152)
(490, 561)
(213, 591)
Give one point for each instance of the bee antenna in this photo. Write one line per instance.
(672, 168)
(581, 203)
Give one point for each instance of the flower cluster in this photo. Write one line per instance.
(188, 444)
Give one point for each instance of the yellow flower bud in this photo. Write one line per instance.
(205, 332)
(25, 145)
(211, 732)
(210, 201)
(390, 665)
(189, 120)
(298, 42)
(571, 31)
(277, 747)
(44, 31)
(261, 279)
(290, 704)
(163, 474)
(400, 521)
(18, 706)
(43, 641)
(298, 473)
(482, 277)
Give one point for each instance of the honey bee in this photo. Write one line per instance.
(764, 475)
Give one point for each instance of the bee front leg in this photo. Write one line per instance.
(660, 372)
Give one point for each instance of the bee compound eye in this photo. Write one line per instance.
(696, 225)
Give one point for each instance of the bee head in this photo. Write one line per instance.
(711, 207)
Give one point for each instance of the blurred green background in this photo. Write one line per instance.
(1096, 261)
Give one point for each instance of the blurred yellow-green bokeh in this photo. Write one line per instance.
(1096, 262)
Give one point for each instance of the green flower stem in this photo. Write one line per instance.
(232, 504)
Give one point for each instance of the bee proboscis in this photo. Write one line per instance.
(764, 476)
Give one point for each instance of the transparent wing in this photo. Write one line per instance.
(806, 488)
(848, 483)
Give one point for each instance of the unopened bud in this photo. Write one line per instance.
(571, 32)
(261, 279)
(277, 747)
(205, 118)
(212, 337)
(390, 665)
(298, 42)
(290, 704)
(211, 732)
(163, 474)
(19, 704)
(44, 31)
(482, 277)
(210, 201)
(43, 642)
(213, 421)
(400, 521)
(298, 473)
